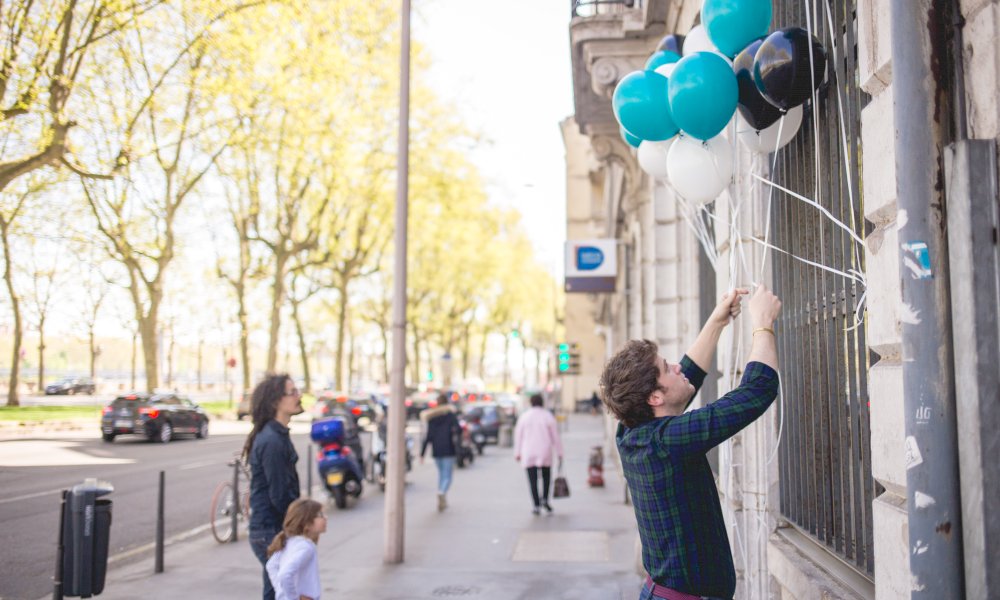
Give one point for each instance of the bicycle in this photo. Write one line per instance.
(224, 504)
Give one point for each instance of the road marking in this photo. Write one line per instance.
(198, 465)
(31, 453)
(35, 495)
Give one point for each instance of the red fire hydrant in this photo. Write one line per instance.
(595, 472)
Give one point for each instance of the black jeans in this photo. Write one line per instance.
(260, 539)
(533, 483)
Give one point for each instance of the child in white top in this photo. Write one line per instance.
(293, 566)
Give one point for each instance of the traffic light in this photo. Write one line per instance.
(569, 358)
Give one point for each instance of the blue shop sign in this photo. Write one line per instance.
(588, 258)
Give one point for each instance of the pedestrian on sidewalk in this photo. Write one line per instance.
(443, 436)
(293, 565)
(274, 481)
(685, 548)
(536, 437)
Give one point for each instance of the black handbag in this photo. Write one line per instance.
(560, 488)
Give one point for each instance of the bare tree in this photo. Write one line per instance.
(300, 289)
(45, 272)
(7, 217)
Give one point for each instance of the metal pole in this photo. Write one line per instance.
(158, 566)
(396, 467)
(932, 486)
(57, 584)
(235, 512)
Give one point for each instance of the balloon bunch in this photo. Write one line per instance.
(675, 109)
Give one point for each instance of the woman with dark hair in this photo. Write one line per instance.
(536, 437)
(274, 482)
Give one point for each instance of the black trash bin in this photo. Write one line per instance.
(86, 532)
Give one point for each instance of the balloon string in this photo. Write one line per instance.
(843, 130)
(828, 214)
(770, 196)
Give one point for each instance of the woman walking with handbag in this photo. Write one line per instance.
(536, 437)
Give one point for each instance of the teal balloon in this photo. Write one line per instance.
(630, 139)
(642, 107)
(703, 94)
(660, 58)
(732, 24)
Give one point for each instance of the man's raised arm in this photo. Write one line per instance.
(703, 348)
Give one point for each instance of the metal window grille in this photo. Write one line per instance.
(825, 459)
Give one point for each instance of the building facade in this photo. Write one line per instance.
(870, 477)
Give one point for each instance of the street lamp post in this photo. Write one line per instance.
(394, 508)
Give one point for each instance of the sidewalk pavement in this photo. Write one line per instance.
(486, 546)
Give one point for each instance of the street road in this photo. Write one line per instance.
(33, 472)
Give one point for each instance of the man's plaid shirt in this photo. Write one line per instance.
(684, 540)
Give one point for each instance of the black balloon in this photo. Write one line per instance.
(781, 67)
(672, 43)
(757, 112)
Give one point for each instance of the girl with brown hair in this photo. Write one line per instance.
(293, 566)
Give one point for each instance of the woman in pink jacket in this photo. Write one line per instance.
(535, 438)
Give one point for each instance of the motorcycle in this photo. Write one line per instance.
(339, 469)
(379, 457)
(466, 452)
(476, 434)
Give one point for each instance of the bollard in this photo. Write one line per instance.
(158, 566)
(57, 585)
(236, 501)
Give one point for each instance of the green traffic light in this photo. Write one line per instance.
(563, 347)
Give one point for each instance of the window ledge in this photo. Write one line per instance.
(807, 571)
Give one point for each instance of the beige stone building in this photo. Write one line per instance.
(872, 475)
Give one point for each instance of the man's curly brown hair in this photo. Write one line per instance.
(628, 380)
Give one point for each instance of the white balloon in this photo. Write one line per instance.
(653, 157)
(766, 140)
(666, 69)
(697, 40)
(700, 171)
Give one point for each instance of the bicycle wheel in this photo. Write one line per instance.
(222, 512)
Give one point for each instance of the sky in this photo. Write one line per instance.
(506, 67)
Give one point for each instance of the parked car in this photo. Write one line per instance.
(420, 401)
(158, 417)
(70, 386)
(488, 416)
(359, 405)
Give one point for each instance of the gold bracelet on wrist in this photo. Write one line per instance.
(767, 329)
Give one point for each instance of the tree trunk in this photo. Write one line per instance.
(41, 354)
(135, 338)
(341, 322)
(385, 354)
(350, 361)
(465, 352)
(482, 356)
(244, 338)
(15, 306)
(506, 360)
(302, 347)
(147, 334)
(93, 350)
(201, 344)
(170, 358)
(277, 299)
(417, 375)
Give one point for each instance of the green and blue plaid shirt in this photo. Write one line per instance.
(684, 540)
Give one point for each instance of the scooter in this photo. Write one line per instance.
(379, 458)
(339, 469)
